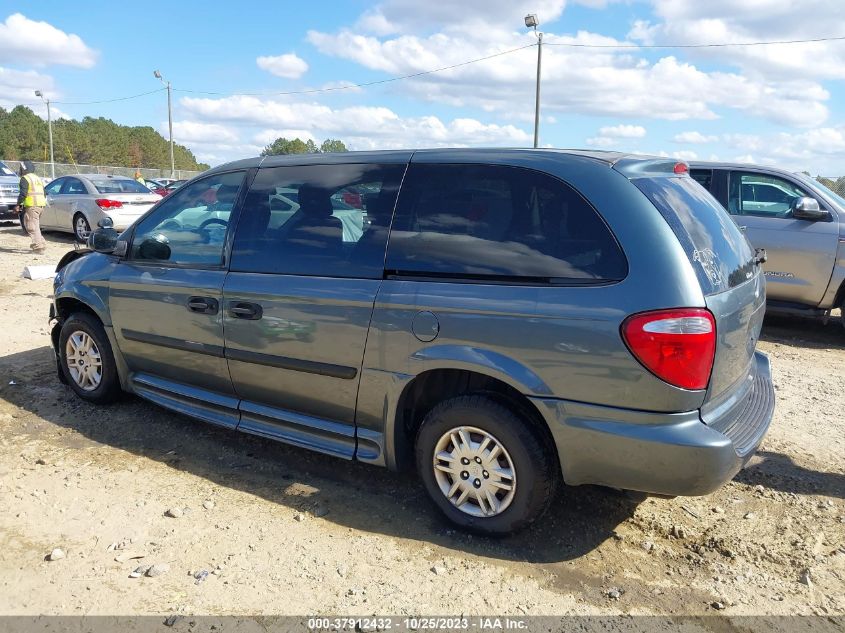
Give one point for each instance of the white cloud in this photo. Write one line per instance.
(600, 141)
(198, 132)
(598, 82)
(19, 86)
(694, 138)
(694, 22)
(623, 131)
(39, 43)
(289, 65)
(360, 127)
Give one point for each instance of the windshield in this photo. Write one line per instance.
(5, 171)
(818, 187)
(115, 185)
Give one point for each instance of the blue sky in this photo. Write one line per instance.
(777, 104)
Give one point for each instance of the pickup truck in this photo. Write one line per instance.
(798, 221)
(9, 183)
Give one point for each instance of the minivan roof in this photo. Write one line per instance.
(610, 158)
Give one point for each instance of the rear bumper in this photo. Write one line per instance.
(660, 453)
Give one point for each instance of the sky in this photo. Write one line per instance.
(613, 75)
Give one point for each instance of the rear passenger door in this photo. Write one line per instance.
(306, 267)
(800, 253)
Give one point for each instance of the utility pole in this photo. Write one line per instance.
(158, 76)
(38, 93)
(531, 21)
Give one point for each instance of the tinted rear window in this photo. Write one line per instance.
(718, 251)
(500, 223)
(119, 186)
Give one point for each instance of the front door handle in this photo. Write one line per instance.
(244, 310)
(203, 305)
(743, 228)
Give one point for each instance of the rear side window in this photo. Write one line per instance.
(317, 220)
(717, 250)
(499, 223)
(703, 177)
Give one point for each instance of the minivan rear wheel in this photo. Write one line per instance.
(87, 360)
(484, 466)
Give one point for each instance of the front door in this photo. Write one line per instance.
(54, 200)
(307, 263)
(800, 253)
(167, 306)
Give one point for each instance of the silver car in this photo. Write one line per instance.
(77, 203)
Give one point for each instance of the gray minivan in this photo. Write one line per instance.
(504, 320)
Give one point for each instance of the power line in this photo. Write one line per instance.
(361, 85)
(143, 94)
(720, 45)
(449, 67)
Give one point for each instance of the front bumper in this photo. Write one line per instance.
(7, 211)
(660, 453)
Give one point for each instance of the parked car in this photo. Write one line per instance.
(76, 203)
(173, 185)
(798, 221)
(535, 317)
(9, 190)
(156, 186)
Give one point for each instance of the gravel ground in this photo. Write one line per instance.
(234, 524)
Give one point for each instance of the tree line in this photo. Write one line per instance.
(282, 146)
(91, 141)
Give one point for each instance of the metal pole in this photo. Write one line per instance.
(50, 131)
(170, 126)
(537, 97)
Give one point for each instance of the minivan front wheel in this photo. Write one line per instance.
(484, 466)
(87, 360)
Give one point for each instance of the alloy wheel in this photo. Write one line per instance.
(84, 363)
(474, 471)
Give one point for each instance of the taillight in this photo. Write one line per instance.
(105, 203)
(676, 345)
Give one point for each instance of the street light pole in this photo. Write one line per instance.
(158, 76)
(38, 93)
(531, 21)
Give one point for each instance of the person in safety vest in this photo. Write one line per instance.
(139, 177)
(33, 201)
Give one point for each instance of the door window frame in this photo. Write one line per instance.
(739, 173)
(246, 183)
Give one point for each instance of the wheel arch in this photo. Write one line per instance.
(432, 386)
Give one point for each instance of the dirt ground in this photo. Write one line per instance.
(283, 531)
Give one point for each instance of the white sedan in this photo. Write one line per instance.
(77, 203)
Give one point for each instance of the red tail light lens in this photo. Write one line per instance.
(105, 203)
(677, 345)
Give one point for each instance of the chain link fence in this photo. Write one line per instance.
(66, 169)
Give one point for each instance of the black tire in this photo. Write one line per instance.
(535, 466)
(108, 388)
(79, 238)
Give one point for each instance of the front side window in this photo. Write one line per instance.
(189, 228)
(54, 187)
(318, 220)
(762, 195)
(486, 221)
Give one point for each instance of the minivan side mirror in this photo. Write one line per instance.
(806, 208)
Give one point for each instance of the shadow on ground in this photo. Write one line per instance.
(359, 496)
(779, 472)
(803, 332)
